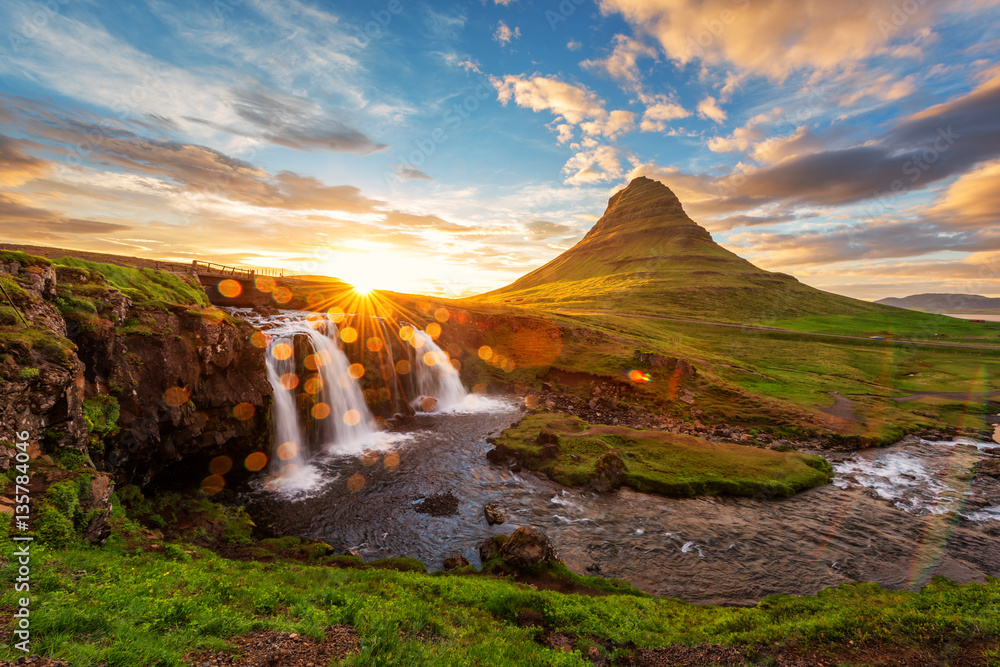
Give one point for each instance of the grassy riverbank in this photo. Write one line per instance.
(123, 606)
(573, 453)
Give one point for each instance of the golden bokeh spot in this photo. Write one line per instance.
(456, 364)
(255, 461)
(406, 332)
(352, 417)
(485, 352)
(212, 315)
(315, 298)
(384, 394)
(428, 403)
(345, 380)
(258, 339)
(281, 351)
(441, 314)
(508, 365)
(356, 371)
(424, 306)
(374, 344)
(266, 284)
(336, 314)
(356, 482)
(348, 334)
(289, 381)
(433, 329)
(244, 411)
(369, 457)
(417, 342)
(287, 451)
(391, 461)
(321, 411)
(273, 482)
(314, 320)
(290, 470)
(479, 388)
(430, 358)
(229, 288)
(531, 401)
(313, 386)
(212, 484)
(220, 465)
(176, 396)
(281, 294)
(402, 366)
(312, 362)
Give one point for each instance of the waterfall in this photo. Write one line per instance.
(284, 415)
(435, 374)
(350, 421)
(319, 405)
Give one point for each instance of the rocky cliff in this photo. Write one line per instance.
(125, 375)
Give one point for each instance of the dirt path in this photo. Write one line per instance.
(842, 407)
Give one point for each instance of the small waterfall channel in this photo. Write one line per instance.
(322, 397)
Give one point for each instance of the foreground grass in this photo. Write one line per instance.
(146, 287)
(107, 606)
(658, 462)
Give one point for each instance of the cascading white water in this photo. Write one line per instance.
(350, 421)
(284, 415)
(438, 379)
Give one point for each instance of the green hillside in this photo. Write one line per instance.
(645, 255)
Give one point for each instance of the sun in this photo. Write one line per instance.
(362, 287)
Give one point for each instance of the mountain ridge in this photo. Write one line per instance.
(645, 254)
(943, 302)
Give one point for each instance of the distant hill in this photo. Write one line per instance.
(969, 304)
(646, 255)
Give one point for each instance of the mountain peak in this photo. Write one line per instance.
(642, 201)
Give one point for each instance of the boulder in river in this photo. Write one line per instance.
(608, 472)
(455, 562)
(527, 547)
(495, 514)
(490, 547)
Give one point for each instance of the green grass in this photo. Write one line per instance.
(664, 463)
(94, 606)
(899, 324)
(146, 287)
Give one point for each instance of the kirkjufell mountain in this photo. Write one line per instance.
(646, 255)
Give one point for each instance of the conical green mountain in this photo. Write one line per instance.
(646, 255)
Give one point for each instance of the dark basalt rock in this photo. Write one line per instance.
(455, 562)
(495, 514)
(527, 547)
(608, 472)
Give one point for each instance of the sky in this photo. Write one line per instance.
(450, 147)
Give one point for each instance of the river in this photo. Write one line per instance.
(894, 516)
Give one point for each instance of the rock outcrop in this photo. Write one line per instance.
(527, 547)
(136, 386)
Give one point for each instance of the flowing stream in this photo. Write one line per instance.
(895, 516)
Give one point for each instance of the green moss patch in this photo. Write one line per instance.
(575, 453)
(146, 287)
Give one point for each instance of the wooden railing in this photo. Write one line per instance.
(223, 270)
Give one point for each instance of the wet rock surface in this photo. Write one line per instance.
(527, 547)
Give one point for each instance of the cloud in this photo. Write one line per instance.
(408, 172)
(709, 108)
(776, 37)
(16, 167)
(972, 201)
(593, 166)
(19, 219)
(574, 45)
(504, 34)
(621, 64)
(540, 230)
(574, 105)
(656, 116)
